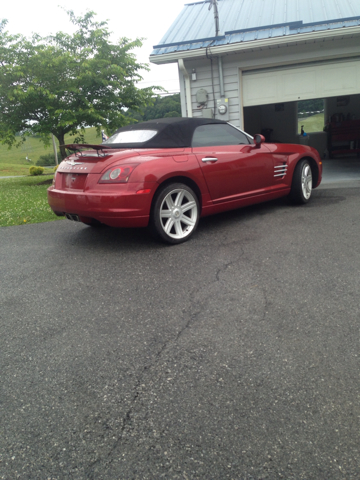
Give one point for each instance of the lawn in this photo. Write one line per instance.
(13, 161)
(315, 123)
(24, 200)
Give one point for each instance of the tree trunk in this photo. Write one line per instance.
(61, 140)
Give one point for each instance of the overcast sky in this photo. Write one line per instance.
(148, 19)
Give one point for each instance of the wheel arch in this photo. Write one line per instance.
(179, 179)
(314, 169)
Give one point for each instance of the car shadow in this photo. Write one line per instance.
(112, 238)
(132, 238)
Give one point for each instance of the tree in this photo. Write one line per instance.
(168, 106)
(63, 83)
(311, 105)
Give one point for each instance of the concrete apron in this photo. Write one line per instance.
(337, 171)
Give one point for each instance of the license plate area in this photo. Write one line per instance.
(73, 181)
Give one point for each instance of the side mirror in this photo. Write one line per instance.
(258, 139)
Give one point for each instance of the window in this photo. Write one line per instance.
(311, 115)
(132, 136)
(217, 134)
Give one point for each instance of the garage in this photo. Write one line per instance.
(271, 96)
(253, 63)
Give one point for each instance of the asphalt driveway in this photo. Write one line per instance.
(235, 355)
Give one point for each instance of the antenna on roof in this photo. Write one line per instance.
(213, 3)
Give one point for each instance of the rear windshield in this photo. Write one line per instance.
(132, 136)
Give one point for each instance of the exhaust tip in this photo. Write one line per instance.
(71, 216)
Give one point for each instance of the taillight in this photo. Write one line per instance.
(117, 174)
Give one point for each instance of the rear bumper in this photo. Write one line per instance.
(119, 207)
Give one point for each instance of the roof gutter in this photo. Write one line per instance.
(254, 44)
(187, 86)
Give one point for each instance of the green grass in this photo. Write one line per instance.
(312, 124)
(24, 200)
(13, 161)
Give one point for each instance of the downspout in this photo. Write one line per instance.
(221, 77)
(187, 86)
(213, 3)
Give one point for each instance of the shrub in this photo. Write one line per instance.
(56, 167)
(36, 170)
(48, 159)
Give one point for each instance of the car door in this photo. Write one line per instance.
(232, 166)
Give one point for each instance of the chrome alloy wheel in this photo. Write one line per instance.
(306, 181)
(178, 213)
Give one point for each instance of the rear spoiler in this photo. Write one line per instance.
(78, 147)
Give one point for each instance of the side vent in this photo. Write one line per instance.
(280, 170)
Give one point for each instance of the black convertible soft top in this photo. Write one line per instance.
(171, 132)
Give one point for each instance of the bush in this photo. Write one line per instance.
(56, 167)
(36, 170)
(47, 160)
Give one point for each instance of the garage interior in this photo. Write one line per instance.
(282, 120)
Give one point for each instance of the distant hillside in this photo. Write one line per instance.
(13, 161)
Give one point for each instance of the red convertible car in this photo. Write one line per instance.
(168, 173)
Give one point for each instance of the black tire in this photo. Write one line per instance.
(175, 213)
(301, 187)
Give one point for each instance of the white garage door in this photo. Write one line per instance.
(301, 83)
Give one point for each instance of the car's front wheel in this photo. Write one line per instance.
(301, 188)
(175, 214)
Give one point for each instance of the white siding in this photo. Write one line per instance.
(347, 78)
(204, 80)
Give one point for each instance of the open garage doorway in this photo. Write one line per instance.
(334, 131)
(281, 122)
(289, 122)
(270, 97)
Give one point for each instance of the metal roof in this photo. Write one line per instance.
(247, 20)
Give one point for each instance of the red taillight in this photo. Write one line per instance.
(117, 174)
(147, 190)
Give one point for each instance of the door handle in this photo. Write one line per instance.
(209, 159)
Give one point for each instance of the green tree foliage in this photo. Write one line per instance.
(311, 105)
(63, 83)
(168, 106)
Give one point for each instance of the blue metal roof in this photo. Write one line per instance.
(247, 20)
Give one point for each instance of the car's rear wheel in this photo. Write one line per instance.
(175, 214)
(301, 188)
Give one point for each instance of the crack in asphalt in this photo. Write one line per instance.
(193, 315)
